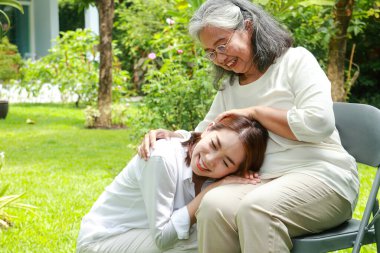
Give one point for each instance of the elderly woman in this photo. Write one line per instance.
(309, 183)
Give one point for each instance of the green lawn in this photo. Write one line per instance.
(63, 167)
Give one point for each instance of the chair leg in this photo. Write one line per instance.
(377, 227)
(377, 235)
(372, 205)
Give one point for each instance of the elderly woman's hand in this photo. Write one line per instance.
(247, 112)
(150, 140)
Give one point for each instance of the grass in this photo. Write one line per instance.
(63, 167)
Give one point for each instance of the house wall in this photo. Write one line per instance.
(34, 31)
(92, 19)
(46, 25)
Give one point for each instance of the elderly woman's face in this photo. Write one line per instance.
(232, 49)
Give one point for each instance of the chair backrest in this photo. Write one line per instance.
(359, 130)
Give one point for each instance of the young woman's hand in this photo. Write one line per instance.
(252, 176)
(193, 206)
(150, 140)
(232, 179)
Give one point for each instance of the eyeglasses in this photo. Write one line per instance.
(221, 49)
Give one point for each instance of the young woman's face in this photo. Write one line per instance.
(238, 56)
(217, 154)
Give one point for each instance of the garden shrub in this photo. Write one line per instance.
(366, 89)
(136, 21)
(73, 65)
(312, 25)
(10, 60)
(176, 100)
(119, 115)
(367, 54)
(178, 81)
(71, 15)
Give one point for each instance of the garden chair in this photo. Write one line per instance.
(359, 130)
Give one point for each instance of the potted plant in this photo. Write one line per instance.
(10, 59)
(10, 62)
(4, 105)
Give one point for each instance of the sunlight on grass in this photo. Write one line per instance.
(63, 167)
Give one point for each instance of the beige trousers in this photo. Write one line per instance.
(139, 241)
(262, 218)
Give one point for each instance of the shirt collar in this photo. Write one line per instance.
(188, 174)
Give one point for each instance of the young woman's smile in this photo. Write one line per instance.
(218, 154)
(200, 165)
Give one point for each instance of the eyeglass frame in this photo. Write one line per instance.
(220, 49)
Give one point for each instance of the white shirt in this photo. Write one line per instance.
(296, 82)
(146, 194)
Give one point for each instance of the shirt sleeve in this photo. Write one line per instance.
(158, 184)
(311, 119)
(181, 222)
(185, 134)
(217, 107)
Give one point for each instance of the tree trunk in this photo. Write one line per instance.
(337, 49)
(106, 14)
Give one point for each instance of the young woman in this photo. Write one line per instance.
(151, 205)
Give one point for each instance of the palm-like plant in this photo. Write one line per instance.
(7, 202)
(10, 201)
(13, 3)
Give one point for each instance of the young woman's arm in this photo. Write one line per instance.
(193, 206)
(158, 183)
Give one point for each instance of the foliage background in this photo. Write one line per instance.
(73, 66)
(367, 56)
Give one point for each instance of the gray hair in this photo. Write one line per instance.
(269, 41)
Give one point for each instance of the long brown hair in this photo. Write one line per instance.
(252, 135)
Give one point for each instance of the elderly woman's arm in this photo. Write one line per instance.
(311, 118)
(275, 120)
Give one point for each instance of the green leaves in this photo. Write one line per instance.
(13, 3)
(73, 65)
(10, 60)
(10, 201)
(176, 81)
(194, 4)
(317, 2)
